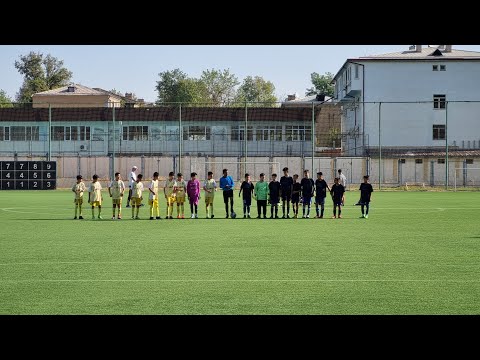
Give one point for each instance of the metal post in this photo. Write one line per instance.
(180, 138)
(313, 138)
(245, 134)
(446, 145)
(113, 144)
(379, 148)
(49, 132)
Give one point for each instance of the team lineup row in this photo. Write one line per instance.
(288, 190)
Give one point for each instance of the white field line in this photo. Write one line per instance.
(242, 280)
(231, 262)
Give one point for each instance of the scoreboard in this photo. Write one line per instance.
(28, 175)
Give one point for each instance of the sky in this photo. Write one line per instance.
(135, 68)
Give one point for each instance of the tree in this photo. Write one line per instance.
(168, 85)
(321, 85)
(5, 101)
(256, 90)
(40, 73)
(220, 86)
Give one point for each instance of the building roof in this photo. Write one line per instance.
(116, 95)
(79, 90)
(427, 53)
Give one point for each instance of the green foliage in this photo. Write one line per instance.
(168, 85)
(5, 101)
(40, 73)
(257, 91)
(220, 86)
(321, 85)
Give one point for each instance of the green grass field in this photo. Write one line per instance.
(416, 254)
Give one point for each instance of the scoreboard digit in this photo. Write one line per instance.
(28, 175)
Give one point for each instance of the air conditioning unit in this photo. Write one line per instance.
(83, 147)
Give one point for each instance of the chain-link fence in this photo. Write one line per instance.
(431, 143)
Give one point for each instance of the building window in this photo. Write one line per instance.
(84, 133)
(469, 161)
(356, 70)
(418, 161)
(298, 132)
(402, 161)
(24, 133)
(63, 133)
(4, 133)
(196, 133)
(434, 67)
(439, 101)
(135, 133)
(438, 132)
(272, 133)
(441, 161)
(238, 133)
(443, 67)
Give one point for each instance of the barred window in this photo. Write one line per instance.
(196, 133)
(58, 133)
(439, 101)
(135, 133)
(238, 133)
(272, 133)
(438, 132)
(84, 133)
(298, 132)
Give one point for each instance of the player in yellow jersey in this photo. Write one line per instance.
(168, 190)
(116, 190)
(210, 186)
(137, 195)
(179, 190)
(79, 188)
(95, 197)
(153, 197)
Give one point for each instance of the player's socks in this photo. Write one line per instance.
(151, 211)
(308, 210)
(183, 209)
(133, 211)
(316, 209)
(138, 209)
(322, 210)
(93, 211)
(191, 208)
(303, 210)
(367, 208)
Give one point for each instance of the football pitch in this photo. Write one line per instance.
(417, 253)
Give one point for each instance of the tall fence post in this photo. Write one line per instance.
(113, 144)
(180, 138)
(313, 138)
(245, 134)
(446, 145)
(379, 147)
(49, 132)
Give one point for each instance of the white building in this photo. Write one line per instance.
(429, 95)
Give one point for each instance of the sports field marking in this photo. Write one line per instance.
(242, 280)
(232, 262)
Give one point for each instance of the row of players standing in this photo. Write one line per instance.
(288, 189)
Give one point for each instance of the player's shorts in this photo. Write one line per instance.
(247, 201)
(274, 200)
(78, 201)
(295, 198)
(209, 199)
(337, 202)
(96, 203)
(364, 201)
(227, 194)
(286, 196)
(136, 201)
(117, 201)
(319, 200)
(307, 200)
(180, 199)
(170, 200)
(153, 203)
